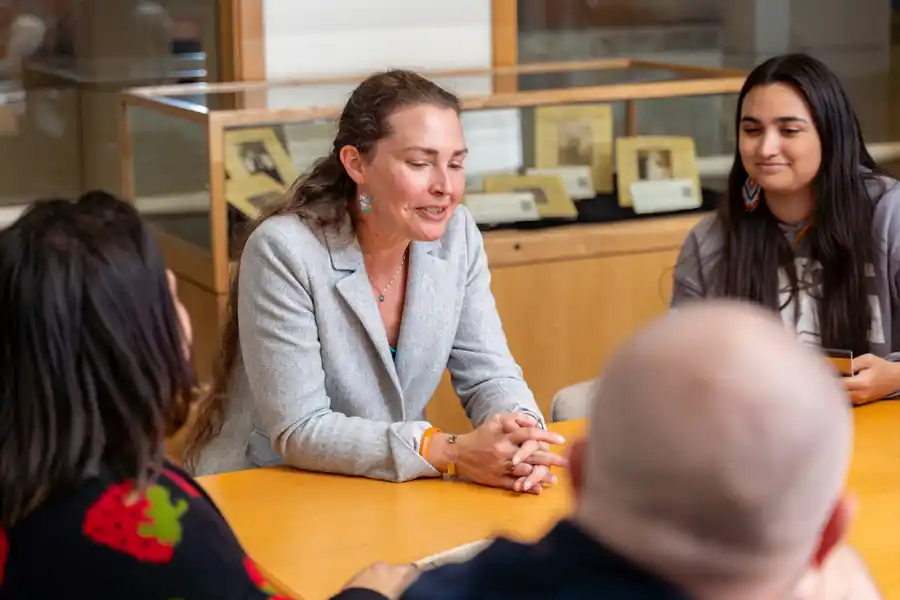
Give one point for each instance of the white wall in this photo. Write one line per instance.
(349, 37)
(310, 37)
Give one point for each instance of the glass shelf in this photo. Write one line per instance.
(556, 77)
(128, 71)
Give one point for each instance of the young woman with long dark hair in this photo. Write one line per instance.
(810, 226)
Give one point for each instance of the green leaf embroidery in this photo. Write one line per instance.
(165, 518)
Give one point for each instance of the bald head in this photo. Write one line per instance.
(718, 447)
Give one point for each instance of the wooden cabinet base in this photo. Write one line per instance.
(568, 296)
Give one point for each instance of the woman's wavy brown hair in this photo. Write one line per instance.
(320, 196)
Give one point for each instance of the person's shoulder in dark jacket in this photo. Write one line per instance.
(564, 565)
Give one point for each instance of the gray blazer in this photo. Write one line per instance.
(316, 386)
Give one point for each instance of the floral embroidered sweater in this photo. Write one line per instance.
(103, 541)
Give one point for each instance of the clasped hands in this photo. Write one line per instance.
(508, 451)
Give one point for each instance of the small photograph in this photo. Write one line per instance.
(258, 152)
(655, 164)
(576, 135)
(257, 159)
(575, 144)
(667, 164)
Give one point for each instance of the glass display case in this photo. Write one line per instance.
(199, 159)
(75, 100)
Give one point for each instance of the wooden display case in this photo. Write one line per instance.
(566, 293)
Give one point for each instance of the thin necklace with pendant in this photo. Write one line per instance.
(382, 292)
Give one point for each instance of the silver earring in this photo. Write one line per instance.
(365, 203)
(750, 192)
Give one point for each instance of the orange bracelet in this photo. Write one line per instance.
(426, 441)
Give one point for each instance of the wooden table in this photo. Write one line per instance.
(313, 531)
(875, 479)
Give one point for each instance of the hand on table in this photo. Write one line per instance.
(531, 462)
(387, 580)
(506, 451)
(875, 378)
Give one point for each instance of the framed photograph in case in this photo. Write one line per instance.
(665, 165)
(253, 195)
(549, 192)
(576, 135)
(258, 151)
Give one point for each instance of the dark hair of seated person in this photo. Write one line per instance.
(92, 368)
(94, 375)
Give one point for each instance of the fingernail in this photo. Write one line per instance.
(527, 486)
(552, 479)
(515, 461)
(560, 439)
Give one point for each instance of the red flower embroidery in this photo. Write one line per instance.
(147, 526)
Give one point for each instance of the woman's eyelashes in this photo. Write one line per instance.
(456, 166)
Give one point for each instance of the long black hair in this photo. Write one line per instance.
(93, 373)
(841, 233)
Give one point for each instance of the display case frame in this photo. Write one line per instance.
(204, 272)
(245, 104)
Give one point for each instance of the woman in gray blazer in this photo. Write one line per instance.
(351, 300)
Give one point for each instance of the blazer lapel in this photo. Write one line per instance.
(356, 291)
(428, 314)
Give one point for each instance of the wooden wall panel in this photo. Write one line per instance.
(563, 319)
(505, 32)
(504, 43)
(242, 41)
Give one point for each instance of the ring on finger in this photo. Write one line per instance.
(509, 465)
